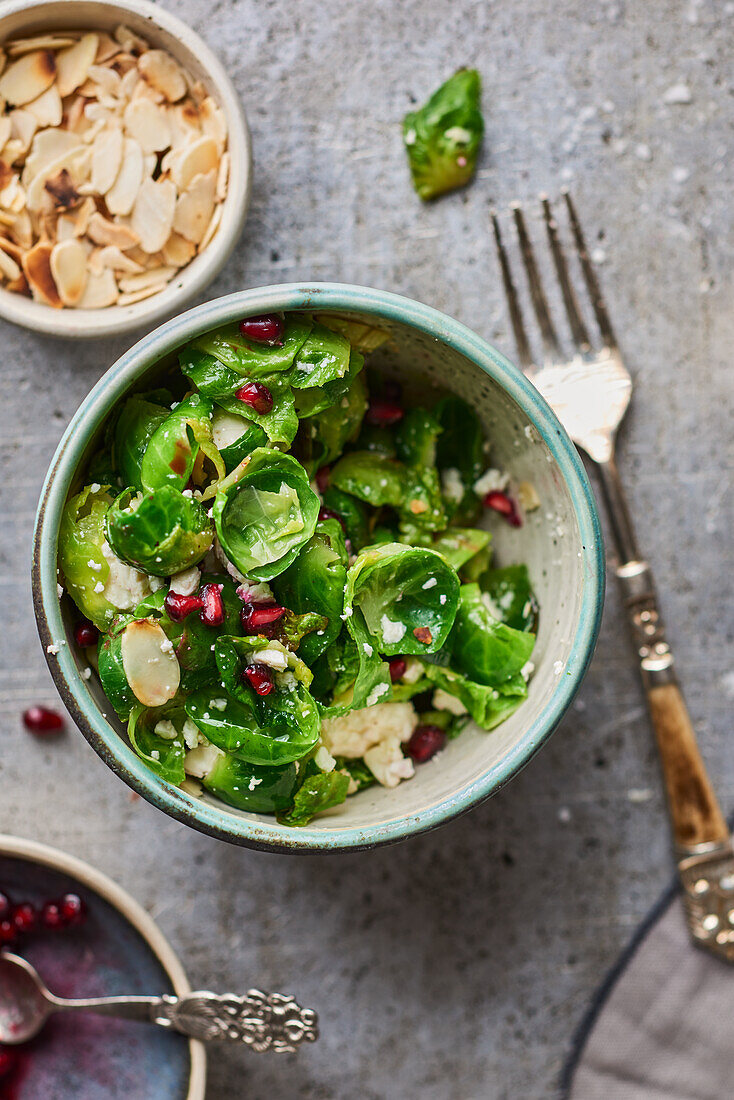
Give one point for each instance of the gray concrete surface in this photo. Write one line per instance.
(457, 966)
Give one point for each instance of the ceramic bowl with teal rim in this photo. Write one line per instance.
(560, 542)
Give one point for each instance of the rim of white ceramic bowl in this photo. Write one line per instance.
(36, 852)
(265, 832)
(203, 269)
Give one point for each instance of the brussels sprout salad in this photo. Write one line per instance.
(285, 590)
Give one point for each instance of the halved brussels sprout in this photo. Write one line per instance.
(488, 706)
(161, 532)
(482, 648)
(172, 449)
(83, 566)
(317, 791)
(443, 137)
(512, 596)
(163, 755)
(139, 420)
(138, 664)
(264, 512)
(249, 787)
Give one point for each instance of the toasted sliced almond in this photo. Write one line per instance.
(107, 48)
(20, 285)
(106, 159)
(147, 123)
(196, 159)
(138, 295)
(212, 227)
(102, 231)
(149, 663)
(223, 178)
(22, 230)
(9, 268)
(13, 151)
(183, 119)
(41, 42)
(106, 79)
(129, 83)
(527, 496)
(213, 122)
(177, 251)
(80, 217)
(12, 195)
(6, 219)
(116, 260)
(47, 108)
(62, 190)
(160, 70)
(28, 77)
(69, 270)
(3, 61)
(195, 207)
(76, 162)
(6, 127)
(23, 125)
(47, 147)
(100, 291)
(73, 64)
(157, 276)
(129, 41)
(37, 268)
(152, 215)
(120, 198)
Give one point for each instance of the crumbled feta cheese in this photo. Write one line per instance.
(191, 734)
(442, 700)
(166, 646)
(228, 565)
(200, 761)
(94, 487)
(275, 658)
(387, 763)
(351, 734)
(99, 588)
(125, 587)
(187, 493)
(59, 590)
(165, 729)
(452, 486)
(491, 606)
(255, 592)
(186, 582)
(491, 481)
(348, 612)
(442, 599)
(219, 704)
(86, 673)
(527, 670)
(53, 649)
(557, 668)
(377, 692)
(367, 648)
(154, 754)
(95, 565)
(430, 583)
(253, 783)
(458, 134)
(409, 137)
(323, 759)
(413, 671)
(391, 632)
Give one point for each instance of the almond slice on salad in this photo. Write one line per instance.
(28, 77)
(195, 207)
(100, 291)
(152, 215)
(102, 231)
(149, 662)
(120, 198)
(147, 123)
(106, 159)
(37, 270)
(73, 64)
(69, 270)
(163, 73)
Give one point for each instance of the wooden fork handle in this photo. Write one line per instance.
(695, 813)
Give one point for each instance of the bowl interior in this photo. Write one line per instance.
(559, 542)
(163, 31)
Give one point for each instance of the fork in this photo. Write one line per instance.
(590, 392)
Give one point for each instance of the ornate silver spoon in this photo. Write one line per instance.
(262, 1021)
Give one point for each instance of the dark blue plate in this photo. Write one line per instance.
(117, 950)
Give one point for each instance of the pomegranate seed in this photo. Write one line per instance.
(212, 613)
(51, 916)
(500, 502)
(8, 1061)
(178, 607)
(425, 742)
(8, 931)
(41, 720)
(266, 329)
(423, 634)
(4, 906)
(72, 909)
(397, 666)
(257, 396)
(85, 634)
(329, 513)
(260, 620)
(24, 917)
(322, 478)
(383, 414)
(259, 677)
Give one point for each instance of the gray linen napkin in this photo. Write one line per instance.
(662, 1027)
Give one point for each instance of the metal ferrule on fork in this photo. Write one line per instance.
(640, 600)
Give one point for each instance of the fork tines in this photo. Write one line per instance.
(579, 331)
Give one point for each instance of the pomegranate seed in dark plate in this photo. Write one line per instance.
(41, 720)
(5, 905)
(397, 666)
(425, 742)
(329, 513)
(266, 329)
(51, 916)
(24, 917)
(260, 620)
(178, 606)
(85, 634)
(259, 677)
(8, 1061)
(257, 396)
(212, 612)
(500, 502)
(8, 931)
(383, 414)
(72, 909)
(322, 478)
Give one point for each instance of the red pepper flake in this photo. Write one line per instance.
(423, 634)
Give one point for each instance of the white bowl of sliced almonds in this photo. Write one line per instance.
(124, 165)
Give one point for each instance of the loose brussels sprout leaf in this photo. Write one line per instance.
(235, 438)
(358, 771)
(137, 423)
(512, 596)
(364, 338)
(372, 438)
(254, 360)
(163, 755)
(210, 376)
(112, 675)
(317, 791)
(353, 515)
(488, 706)
(415, 438)
(460, 544)
(171, 451)
(460, 457)
(281, 423)
(160, 533)
(81, 561)
(371, 477)
(315, 582)
(482, 648)
(336, 670)
(249, 787)
(330, 430)
(323, 357)
(264, 513)
(442, 139)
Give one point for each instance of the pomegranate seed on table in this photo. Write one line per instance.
(72, 909)
(329, 513)
(178, 606)
(383, 414)
(260, 620)
(425, 742)
(212, 612)
(259, 677)
(500, 502)
(85, 634)
(42, 720)
(265, 329)
(24, 917)
(322, 478)
(8, 931)
(397, 667)
(257, 396)
(51, 916)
